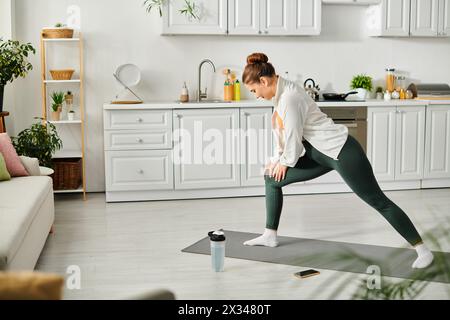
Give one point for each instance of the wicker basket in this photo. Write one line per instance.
(57, 33)
(64, 74)
(67, 175)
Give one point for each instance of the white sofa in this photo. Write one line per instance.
(27, 214)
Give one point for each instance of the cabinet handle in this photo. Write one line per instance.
(140, 171)
(139, 140)
(259, 31)
(139, 119)
(266, 32)
(177, 115)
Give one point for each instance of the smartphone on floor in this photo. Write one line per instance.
(306, 273)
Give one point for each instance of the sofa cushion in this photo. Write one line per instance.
(13, 163)
(21, 199)
(31, 165)
(4, 174)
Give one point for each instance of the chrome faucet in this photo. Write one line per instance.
(200, 94)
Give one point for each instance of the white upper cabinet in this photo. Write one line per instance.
(389, 18)
(424, 17)
(306, 17)
(444, 18)
(212, 18)
(415, 18)
(275, 17)
(244, 17)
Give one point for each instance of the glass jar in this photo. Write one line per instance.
(401, 86)
(390, 79)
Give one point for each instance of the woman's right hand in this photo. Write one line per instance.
(268, 170)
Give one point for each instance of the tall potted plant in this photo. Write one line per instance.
(363, 84)
(13, 63)
(39, 141)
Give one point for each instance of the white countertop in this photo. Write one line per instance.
(264, 103)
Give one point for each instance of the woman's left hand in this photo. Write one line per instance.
(279, 173)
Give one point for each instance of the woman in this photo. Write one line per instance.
(309, 145)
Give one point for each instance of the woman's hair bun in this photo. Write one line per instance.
(257, 58)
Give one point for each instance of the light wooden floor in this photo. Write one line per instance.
(124, 249)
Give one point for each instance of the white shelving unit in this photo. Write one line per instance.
(64, 125)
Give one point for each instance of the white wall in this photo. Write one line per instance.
(120, 31)
(6, 33)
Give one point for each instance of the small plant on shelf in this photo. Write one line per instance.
(58, 99)
(39, 141)
(71, 115)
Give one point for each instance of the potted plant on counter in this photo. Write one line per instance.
(13, 63)
(363, 84)
(58, 99)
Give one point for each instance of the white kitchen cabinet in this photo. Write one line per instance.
(256, 144)
(244, 17)
(351, 2)
(410, 144)
(444, 18)
(307, 17)
(212, 18)
(389, 18)
(275, 19)
(206, 148)
(138, 170)
(395, 142)
(437, 142)
(381, 122)
(424, 18)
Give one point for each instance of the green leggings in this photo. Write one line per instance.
(355, 169)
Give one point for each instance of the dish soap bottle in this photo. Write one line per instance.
(228, 91)
(184, 97)
(237, 90)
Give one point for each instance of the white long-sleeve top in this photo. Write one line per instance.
(297, 117)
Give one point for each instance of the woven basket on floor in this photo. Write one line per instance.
(63, 74)
(67, 175)
(57, 33)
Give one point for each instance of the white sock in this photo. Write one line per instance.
(424, 257)
(268, 239)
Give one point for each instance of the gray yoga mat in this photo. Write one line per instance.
(332, 255)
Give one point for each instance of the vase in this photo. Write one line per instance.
(362, 93)
(2, 88)
(56, 115)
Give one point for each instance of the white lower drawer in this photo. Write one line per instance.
(133, 140)
(139, 170)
